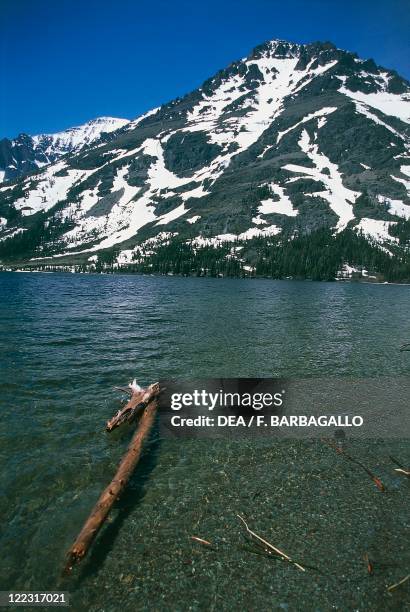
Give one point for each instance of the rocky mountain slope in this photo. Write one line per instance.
(26, 154)
(292, 140)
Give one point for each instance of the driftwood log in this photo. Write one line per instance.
(140, 398)
(99, 513)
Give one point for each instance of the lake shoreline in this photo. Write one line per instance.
(218, 277)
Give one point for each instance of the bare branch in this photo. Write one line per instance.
(201, 541)
(270, 546)
(402, 581)
(340, 451)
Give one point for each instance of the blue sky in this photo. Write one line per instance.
(63, 62)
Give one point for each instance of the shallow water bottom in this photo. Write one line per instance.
(303, 497)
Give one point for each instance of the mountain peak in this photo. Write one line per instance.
(278, 47)
(25, 154)
(292, 139)
(87, 132)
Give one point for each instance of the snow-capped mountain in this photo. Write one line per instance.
(288, 140)
(26, 154)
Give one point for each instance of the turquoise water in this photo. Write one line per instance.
(66, 340)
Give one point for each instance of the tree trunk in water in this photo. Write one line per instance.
(111, 493)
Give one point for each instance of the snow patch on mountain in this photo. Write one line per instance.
(406, 171)
(126, 215)
(48, 188)
(133, 124)
(323, 112)
(252, 232)
(364, 110)
(282, 207)
(396, 207)
(11, 233)
(280, 79)
(159, 177)
(173, 214)
(388, 103)
(340, 198)
(204, 115)
(194, 219)
(376, 229)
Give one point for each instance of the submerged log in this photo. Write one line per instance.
(111, 493)
(140, 398)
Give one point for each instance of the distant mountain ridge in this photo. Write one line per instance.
(25, 154)
(291, 140)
